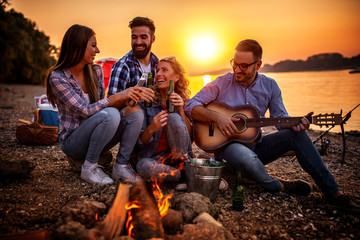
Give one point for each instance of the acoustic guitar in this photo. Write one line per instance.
(209, 138)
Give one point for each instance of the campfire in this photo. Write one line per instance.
(142, 211)
(136, 211)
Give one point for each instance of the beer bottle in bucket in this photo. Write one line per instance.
(238, 194)
(149, 85)
(170, 105)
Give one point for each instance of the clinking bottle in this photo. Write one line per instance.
(238, 194)
(169, 104)
(141, 82)
(149, 85)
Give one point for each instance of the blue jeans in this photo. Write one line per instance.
(165, 165)
(101, 132)
(251, 160)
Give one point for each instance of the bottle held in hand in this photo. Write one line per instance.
(141, 82)
(238, 194)
(149, 85)
(169, 104)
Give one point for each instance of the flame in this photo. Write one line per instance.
(97, 217)
(129, 206)
(162, 202)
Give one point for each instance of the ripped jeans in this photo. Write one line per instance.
(165, 165)
(101, 132)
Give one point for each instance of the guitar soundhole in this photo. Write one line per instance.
(241, 124)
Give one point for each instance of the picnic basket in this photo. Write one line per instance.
(36, 132)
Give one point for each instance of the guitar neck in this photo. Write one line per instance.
(285, 122)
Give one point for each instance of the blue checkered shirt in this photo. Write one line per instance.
(72, 102)
(126, 72)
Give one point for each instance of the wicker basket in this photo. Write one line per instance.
(36, 132)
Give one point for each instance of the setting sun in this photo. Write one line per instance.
(203, 47)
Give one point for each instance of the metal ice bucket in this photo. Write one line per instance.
(203, 179)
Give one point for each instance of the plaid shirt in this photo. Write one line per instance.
(126, 72)
(72, 102)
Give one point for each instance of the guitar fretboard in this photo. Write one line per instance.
(285, 122)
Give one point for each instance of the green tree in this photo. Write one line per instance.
(26, 53)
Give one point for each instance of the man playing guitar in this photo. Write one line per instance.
(245, 86)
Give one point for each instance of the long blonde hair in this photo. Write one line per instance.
(181, 86)
(72, 51)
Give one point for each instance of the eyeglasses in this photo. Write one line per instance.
(242, 66)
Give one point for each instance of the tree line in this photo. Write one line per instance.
(319, 62)
(26, 52)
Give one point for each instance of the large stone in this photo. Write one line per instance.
(203, 231)
(15, 168)
(192, 204)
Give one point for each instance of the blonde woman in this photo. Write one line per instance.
(165, 137)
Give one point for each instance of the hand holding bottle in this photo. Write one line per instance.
(169, 103)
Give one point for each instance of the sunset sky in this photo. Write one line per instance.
(202, 34)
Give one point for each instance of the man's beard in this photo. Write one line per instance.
(244, 77)
(141, 54)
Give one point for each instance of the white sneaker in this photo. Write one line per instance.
(125, 172)
(181, 187)
(223, 186)
(95, 175)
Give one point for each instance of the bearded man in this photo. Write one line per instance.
(124, 76)
(127, 71)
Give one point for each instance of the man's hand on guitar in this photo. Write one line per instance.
(304, 125)
(226, 124)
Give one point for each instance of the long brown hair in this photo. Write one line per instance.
(72, 51)
(181, 86)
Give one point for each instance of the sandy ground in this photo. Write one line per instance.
(37, 201)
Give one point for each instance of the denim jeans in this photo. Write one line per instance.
(164, 165)
(251, 160)
(101, 132)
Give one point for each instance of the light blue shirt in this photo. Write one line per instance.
(264, 93)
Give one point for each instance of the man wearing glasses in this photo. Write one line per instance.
(246, 86)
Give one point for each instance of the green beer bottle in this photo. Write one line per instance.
(238, 194)
(149, 85)
(170, 105)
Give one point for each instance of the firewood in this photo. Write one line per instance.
(113, 224)
(146, 219)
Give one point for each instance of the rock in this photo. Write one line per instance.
(203, 230)
(205, 217)
(71, 230)
(15, 168)
(192, 204)
(172, 221)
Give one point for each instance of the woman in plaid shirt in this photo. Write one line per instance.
(89, 123)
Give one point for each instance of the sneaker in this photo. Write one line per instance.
(95, 175)
(181, 187)
(223, 186)
(343, 202)
(297, 187)
(125, 172)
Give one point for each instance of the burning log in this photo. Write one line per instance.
(146, 219)
(113, 224)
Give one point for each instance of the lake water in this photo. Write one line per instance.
(319, 92)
